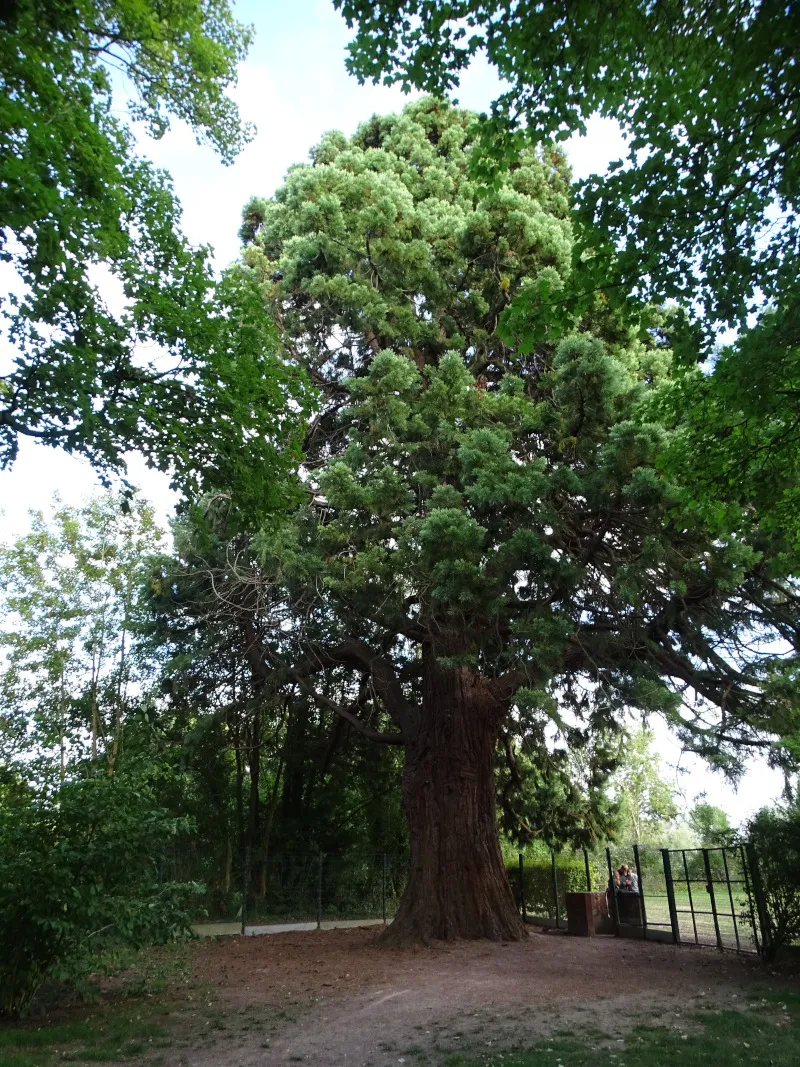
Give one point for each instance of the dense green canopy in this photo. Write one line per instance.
(513, 499)
(120, 335)
(703, 210)
(707, 95)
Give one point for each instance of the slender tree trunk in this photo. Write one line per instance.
(113, 752)
(227, 867)
(275, 796)
(62, 730)
(95, 717)
(457, 882)
(254, 805)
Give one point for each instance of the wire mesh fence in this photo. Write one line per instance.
(290, 887)
(705, 896)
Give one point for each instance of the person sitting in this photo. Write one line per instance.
(628, 880)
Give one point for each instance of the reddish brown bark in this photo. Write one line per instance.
(457, 884)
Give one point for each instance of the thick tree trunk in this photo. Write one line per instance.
(457, 883)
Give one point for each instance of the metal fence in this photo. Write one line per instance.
(290, 887)
(705, 896)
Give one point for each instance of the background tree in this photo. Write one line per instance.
(86, 224)
(711, 824)
(775, 834)
(274, 773)
(647, 801)
(70, 669)
(487, 527)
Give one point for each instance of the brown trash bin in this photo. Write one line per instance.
(587, 914)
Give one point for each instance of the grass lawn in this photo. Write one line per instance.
(122, 1033)
(765, 1032)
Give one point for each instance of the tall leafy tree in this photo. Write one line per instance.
(488, 536)
(711, 824)
(70, 671)
(647, 799)
(185, 369)
(274, 771)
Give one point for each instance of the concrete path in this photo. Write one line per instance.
(234, 928)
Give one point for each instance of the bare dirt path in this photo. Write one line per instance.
(332, 999)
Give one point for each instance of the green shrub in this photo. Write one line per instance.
(775, 835)
(80, 872)
(538, 882)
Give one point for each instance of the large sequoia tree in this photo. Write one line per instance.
(488, 538)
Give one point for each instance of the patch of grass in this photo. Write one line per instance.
(98, 1040)
(763, 1033)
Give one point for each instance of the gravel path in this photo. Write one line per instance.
(333, 999)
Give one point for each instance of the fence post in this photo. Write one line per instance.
(710, 889)
(319, 889)
(245, 884)
(612, 889)
(673, 911)
(761, 901)
(753, 922)
(555, 885)
(730, 897)
(641, 888)
(522, 888)
(588, 872)
(383, 889)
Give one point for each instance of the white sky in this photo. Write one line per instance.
(294, 87)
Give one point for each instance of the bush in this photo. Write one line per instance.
(538, 882)
(775, 835)
(80, 872)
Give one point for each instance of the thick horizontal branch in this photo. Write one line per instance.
(348, 714)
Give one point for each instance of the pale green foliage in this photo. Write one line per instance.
(68, 672)
(387, 234)
(647, 800)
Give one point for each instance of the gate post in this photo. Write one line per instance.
(710, 890)
(641, 888)
(730, 897)
(555, 885)
(761, 902)
(749, 892)
(588, 872)
(612, 890)
(673, 911)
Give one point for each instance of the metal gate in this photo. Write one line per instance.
(712, 897)
(701, 896)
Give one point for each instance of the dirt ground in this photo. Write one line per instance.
(332, 999)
